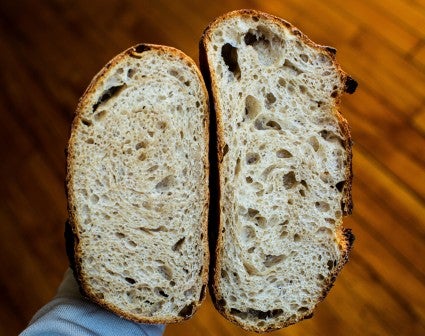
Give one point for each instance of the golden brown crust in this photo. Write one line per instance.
(73, 226)
(346, 238)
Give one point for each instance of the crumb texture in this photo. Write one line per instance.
(137, 162)
(282, 173)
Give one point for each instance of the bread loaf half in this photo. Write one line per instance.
(284, 162)
(137, 182)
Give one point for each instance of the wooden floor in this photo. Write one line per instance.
(49, 51)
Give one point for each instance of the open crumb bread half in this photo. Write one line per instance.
(284, 169)
(137, 184)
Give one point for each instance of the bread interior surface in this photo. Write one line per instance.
(285, 169)
(138, 186)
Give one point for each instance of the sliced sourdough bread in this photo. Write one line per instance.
(137, 184)
(284, 163)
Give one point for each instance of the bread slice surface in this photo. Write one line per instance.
(137, 184)
(284, 162)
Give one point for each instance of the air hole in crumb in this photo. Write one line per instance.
(252, 212)
(252, 107)
(250, 38)
(142, 157)
(270, 98)
(340, 185)
(130, 73)
(130, 280)
(94, 198)
(292, 67)
(238, 166)
(282, 82)
(303, 89)
(108, 94)
(302, 309)
(90, 141)
(304, 58)
(165, 271)
(273, 125)
(272, 260)
(322, 206)
(330, 136)
(248, 179)
(297, 237)
(324, 231)
(283, 154)
(230, 58)
(289, 180)
(248, 233)
(120, 235)
(165, 183)
(187, 311)
(314, 143)
(86, 122)
(140, 145)
(177, 246)
(100, 115)
(161, 292)
(252, 158)
(225, 149)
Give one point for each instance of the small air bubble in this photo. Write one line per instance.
(270, 97)
(283, 154)
(252, 158)
(130, 280)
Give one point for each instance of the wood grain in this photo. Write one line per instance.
(50, 51)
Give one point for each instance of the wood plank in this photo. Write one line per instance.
(408, 14)
(378, 307)
(394, 276)
(337, 27)
(33, 109)
(419, 121)
(399, 241)
(418, 55)
(281, 9)
(376, 22)
(13, 322)
(44, 217)
(394, 64)
(391, 91)
(35, 286)
(386, 124)
(396, 198)
(320, 30)
(409, 172)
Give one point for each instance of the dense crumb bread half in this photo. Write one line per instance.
(137, 181)
(284, 159)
